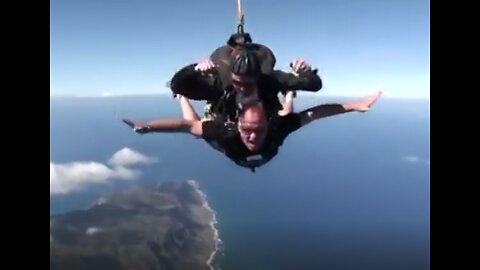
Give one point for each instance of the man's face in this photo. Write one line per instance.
(252, 126)
(244, 84)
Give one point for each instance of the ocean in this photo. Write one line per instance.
(346, 192)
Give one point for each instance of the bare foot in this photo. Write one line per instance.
(364, 104)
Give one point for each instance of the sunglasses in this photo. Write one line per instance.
(243, 84)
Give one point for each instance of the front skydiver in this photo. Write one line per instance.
(254, 140)
(189, 113)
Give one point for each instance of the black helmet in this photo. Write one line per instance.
(245, 63)
(239, 40)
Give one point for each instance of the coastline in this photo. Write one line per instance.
(213, 223)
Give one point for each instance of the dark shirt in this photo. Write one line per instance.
(198, 86)
(228, 139)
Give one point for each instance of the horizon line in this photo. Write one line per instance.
(299, 94)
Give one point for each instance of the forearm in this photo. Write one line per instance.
(185, 73)
(195, 85)
(310, 82)
(323, 111)
(169, 125)
(327, 110)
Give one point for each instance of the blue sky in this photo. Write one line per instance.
(135, 46)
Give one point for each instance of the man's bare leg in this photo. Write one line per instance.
(287, 104)
(188, 111)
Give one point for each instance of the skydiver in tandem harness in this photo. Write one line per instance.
(246, 121)
(241, 71)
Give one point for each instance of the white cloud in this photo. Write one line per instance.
(76, 175)
(127, 156)
(415, 160)
(411, 159)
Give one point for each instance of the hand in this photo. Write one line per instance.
(300, 66)
(137, 127)
(205, 65)
(366, 103)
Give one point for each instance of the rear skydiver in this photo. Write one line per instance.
(234, 72)
(248, 83)
(223, 55)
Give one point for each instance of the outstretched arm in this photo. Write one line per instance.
(326, 110)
